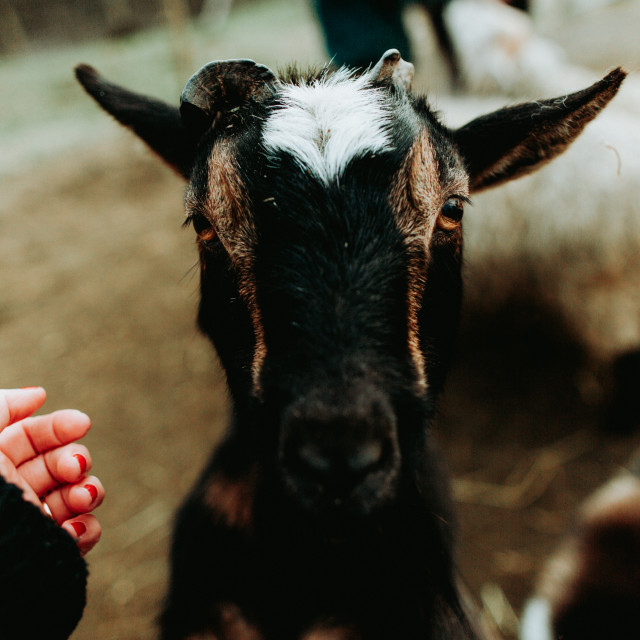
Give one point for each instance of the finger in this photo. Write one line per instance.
(27, 438)
(63, 465)
(85, 529)
(16, 404)
(71, 500)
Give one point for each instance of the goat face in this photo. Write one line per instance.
(328, 214)
(328, 197)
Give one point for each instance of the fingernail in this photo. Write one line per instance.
(29, 388)
(79, 528)
(92, 490)
(82, 461)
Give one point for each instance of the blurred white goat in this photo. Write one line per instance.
(568, 237)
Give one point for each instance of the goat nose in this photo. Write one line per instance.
(340, 448)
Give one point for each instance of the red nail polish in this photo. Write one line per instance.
(92, 490)
(82, 461)
(79, 528)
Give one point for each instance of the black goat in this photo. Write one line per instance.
(328, 211)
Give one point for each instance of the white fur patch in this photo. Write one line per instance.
(329, 122)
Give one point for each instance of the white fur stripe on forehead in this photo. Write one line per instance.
(328, 123)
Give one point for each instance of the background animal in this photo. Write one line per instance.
(545, 245)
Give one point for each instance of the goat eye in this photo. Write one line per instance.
(207, 238)
(200, 224)
(451, 214)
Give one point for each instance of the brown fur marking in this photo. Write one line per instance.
(228, 209)
(417, 198)
(235, 626)
(340, 632)
(231, 500)
(232, 626)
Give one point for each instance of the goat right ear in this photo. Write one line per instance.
(155, 122)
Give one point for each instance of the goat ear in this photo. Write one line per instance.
(517, 140)
(220, 86)
(392, 66)
(156, 122)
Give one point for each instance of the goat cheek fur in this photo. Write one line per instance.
(328, 211)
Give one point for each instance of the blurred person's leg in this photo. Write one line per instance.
(358, 32)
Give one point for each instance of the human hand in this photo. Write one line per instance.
(40, 455)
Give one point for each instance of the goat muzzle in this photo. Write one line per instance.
(340, 454)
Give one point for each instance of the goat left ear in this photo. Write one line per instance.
(517, 140)
(174, 133)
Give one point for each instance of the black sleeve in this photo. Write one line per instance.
(42, 574)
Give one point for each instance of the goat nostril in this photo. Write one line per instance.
(366, 458)
(314, 460)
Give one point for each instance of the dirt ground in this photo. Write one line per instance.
(97, 303)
